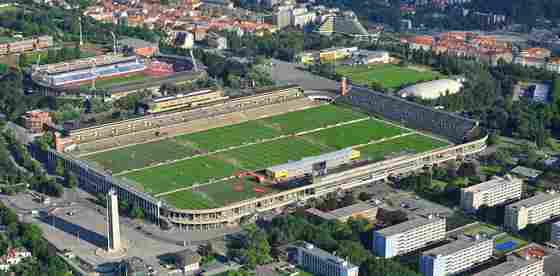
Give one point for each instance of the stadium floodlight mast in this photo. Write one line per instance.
(81, 35)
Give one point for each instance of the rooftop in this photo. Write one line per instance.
(535, 200)
(526, 172)
(490, 184)
(313, 250)
(187, 257)
(512, 264)
(453, 247)
(352, 209)
(136, 43)
(311, 160)
(407, 225)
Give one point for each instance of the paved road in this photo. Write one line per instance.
(288, 73)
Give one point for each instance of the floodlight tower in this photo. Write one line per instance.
(114, 43)
(81, 35)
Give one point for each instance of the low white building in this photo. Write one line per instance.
(188, 261)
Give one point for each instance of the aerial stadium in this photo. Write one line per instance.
(118, 75)
(221, 162)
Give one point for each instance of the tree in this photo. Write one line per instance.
(363, 196)
(384, 267)
(348, 199)
(71, 180)
(136, 213)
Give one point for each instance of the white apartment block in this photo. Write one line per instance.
(533, 210)
(455, 257)
(516, 266)
(408, 236)
(320, 262)
(491, 193)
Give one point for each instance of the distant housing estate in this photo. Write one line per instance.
(491, 193)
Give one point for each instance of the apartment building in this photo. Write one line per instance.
(516, 266)
(491, 193)
(455, 257)
(320, 262)
(408, 236)
(533, 210)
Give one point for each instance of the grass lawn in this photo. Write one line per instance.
(234, 135)
(414, 143)
(486, 229)
(139, 156)
(312, 118)
(354, 134)
(388, 75)
(103, 83)
(190, 200)
(181, 174)
(272, 153)
(222, 138)
(507, 237)
(235, 190)
(490, 170)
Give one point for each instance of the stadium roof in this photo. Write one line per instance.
(432, 89)
(136, 43)
(311, 160)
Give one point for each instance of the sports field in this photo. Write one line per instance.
(196, 170)
(142, 155)
(388, 75)
(104, 83)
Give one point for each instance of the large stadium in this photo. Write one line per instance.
(223, 162)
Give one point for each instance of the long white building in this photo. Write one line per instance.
(320, 262)
(408, 236)
(516, 266)
(455, 257)
(491, 193)
(533, 210)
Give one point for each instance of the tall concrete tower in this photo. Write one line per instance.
(113, 230)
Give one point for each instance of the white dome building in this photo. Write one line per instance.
(432, 89)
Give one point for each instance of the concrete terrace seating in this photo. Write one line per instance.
(412, 114)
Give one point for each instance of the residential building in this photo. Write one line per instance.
(218, 3)
(36, 120)
(188, 261)
(533, 210)
(358, 210)
(455, 257)
(320, 262)
(515, 265)
(13, 257)
(491, 193)
(303, 19)
(533, 57)
(423, 42)
(216, 41)
(408, 236)
(139, 47)
(555, 232)
(345, 24)
(282, 17)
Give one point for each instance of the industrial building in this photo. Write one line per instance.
(455, 257)
(320, 262)
(358, 210)
(432, 89)
(326, 55)
(491, 193)
(533, 210)
(315, 165)
(408, 236)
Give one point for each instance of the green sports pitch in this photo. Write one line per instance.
(198, 170)
(387, 75)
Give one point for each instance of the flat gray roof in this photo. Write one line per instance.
(407, 225)
(527, 172)
(316, 251)
(453, 247)
(490, 184)
(352, 209)
(312, 159)
(535, 200)
(512, 264)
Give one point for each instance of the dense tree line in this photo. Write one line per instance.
(29, 236)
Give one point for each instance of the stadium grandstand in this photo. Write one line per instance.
(86, 69)
(346, 24)
(412, 114)
(178, 101)
(432, 89)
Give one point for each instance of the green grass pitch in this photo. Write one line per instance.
(222, 138)
(414, 143)
(388, 75)
(355, 134)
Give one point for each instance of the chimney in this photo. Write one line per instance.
(344, 86)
